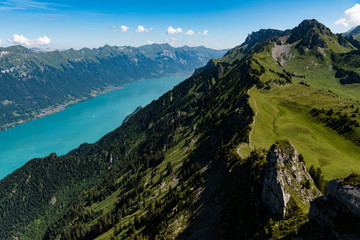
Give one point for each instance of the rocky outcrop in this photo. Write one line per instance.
(347, 197)
(338, 212)
(281, 53)
(269, 191)
(262, 35)
(252, 41)
(285, 178)
(269, 195)
(309, 32)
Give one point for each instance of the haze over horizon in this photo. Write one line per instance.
(259, 140)
(58, 25)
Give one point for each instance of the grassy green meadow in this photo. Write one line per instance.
(283, 113)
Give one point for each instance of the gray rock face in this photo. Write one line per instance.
(284, 178)
(338, 212)
(309, 32)
(347, 197)
(262, 35)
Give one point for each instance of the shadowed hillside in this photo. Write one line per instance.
(243, 149)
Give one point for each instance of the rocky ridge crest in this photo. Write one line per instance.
(286, 179)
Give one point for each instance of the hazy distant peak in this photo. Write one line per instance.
(352, 32)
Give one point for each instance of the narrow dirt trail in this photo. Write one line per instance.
(252, 127)
(240, 147)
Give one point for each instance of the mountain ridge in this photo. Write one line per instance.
(352, 32)
(251, 41)
(36, 84)
(174, 170)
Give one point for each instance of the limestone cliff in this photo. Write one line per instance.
(285, 178)
(268, 195)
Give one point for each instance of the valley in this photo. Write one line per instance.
(84, 122)
(263, 143)
(35, 84)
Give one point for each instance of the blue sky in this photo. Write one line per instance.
(215, 24)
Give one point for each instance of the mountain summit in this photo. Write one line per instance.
(251, 41)
(243, 149)
(308, 24)
(311, 33)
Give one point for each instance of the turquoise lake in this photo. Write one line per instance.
(86, 121)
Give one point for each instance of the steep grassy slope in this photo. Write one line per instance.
(311, 51)
(186, 121)
(285, 112)
(36, 84)
(315, 112)
(221, 113)
(184, 166)
(322, 125)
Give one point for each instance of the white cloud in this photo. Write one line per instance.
(149, 42)
(190, 32)
(141, 29)
(204, 33)
(0, 42)
(172, 30)
(124, 28)
(171, 41)
(351, 17)
(20, 39)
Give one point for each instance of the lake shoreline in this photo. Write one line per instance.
(86, 121)
(51, 110)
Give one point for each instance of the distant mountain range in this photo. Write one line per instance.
(35, 83)
(354, 32)
(263, 143)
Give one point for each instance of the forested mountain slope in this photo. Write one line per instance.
(209, 159)
(35, 84)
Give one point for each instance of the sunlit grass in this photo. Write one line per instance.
(283, 112)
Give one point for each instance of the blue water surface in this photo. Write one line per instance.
(86, 121)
